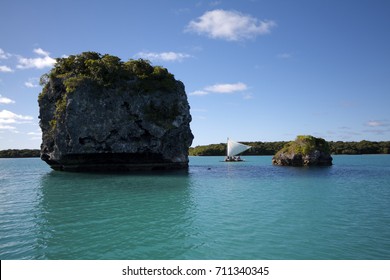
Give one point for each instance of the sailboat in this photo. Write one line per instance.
(233, 149)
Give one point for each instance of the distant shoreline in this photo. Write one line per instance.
(258, 149)
(271, 148)
(20, 153)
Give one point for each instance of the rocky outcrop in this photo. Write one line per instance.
(100, 114)
(304, 151)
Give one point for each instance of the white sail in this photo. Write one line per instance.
(234, 148)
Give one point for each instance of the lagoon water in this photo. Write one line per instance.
(216, 210)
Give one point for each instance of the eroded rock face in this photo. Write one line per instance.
(291, 159)
(304, 151)
(114, 128)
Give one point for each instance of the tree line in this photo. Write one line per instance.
(15, 153)
(258, 149)
(271, 148)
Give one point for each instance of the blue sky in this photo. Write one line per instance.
(254, 70)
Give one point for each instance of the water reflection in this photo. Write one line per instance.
(114, 216)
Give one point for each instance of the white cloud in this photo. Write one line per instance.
(32, 83)
(5, 100)
(39, 51)
(229, 25)
(4, 68)
(35, 135)
(7, 121)
(8, 117)
(226, 88)
(373, 123)
(7, 127)
(4, 55)
(221, 88)
(38, 62)
(378, 123)
(378, 127)
(163, 56)
(199, 92)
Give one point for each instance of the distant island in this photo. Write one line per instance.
(258, 149)
(24, 153)
(271, 148)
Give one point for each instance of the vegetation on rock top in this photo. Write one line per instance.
(107, 71)
(305, 145)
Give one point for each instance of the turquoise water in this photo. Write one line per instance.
(216, 210)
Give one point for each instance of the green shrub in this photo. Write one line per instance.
(107, 71)
(60, 107)
(305, 145)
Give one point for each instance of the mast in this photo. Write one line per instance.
(227, 147)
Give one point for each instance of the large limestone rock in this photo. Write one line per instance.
(304, 151)
(100, 114)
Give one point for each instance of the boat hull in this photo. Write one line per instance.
(233, 159)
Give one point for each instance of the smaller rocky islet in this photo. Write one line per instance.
(305, 150)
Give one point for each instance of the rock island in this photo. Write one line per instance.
(304, 151)
(98, 113)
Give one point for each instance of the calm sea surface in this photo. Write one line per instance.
(216, 210)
